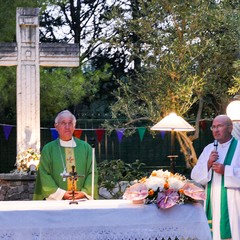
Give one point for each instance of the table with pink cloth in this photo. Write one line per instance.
(101, 220)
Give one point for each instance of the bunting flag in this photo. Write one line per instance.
(54, 133)
(162, 134)
(120, 133)
(77, 133)
(7, 131)
(141, 132)
(100, 133)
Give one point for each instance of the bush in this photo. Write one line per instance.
(115, 176)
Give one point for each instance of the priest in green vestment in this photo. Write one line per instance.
(57, 159)
(218, 169)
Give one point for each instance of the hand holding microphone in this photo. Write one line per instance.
(216, 166)
(214, 155)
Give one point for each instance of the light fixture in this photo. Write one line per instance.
(173, 122)
(233, 109)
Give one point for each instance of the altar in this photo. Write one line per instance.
(100, 220)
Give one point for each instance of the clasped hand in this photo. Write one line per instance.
(69, 195)
(216, 167)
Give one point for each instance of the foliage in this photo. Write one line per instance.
(60, 87)
(64, 87)
(175, 44)
(83, 22)
(8, 96)
(183, 55)
(8, 17)
(99, 73)
(235, 86)
(166, 56)
(112, 172)
(74, 21)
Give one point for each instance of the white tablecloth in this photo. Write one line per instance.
(100, 220)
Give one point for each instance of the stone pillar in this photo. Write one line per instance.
(28, 79)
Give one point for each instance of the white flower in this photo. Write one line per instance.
(175, 183)
(27, 158)
(154, 183)
(163, 174)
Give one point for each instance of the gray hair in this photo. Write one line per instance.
(67, 114)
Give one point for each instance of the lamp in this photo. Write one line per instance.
(173, 122)
(233, 111)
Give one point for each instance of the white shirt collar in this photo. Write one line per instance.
(223, 145)
(71, 143)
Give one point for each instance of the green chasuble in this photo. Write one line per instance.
(49, 177)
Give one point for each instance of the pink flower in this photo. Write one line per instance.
(137, 191)
(167, 199)
(194, 192)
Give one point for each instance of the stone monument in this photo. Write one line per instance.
(28, 55)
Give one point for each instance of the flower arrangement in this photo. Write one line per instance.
(26, 159)
(165, 189)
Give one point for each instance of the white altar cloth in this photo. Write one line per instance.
(100, 220)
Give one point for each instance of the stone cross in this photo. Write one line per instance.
(28, 55)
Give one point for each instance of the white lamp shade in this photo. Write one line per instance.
(172, 122)
(233, 110)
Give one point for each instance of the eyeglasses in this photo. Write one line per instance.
(65, 124)
(217, 127)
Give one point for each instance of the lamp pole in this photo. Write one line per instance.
(172, 157)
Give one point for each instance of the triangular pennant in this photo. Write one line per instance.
(77, 133)
(120, 133)
(100, 133)
(141, 132)
(7, 131)
(54, 133)
(162, 134)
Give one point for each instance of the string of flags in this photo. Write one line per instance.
(78, 132)
(99, 132)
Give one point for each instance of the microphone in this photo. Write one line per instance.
(215, 144)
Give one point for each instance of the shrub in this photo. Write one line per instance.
(115, 176)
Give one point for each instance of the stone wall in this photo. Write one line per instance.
(16, 187)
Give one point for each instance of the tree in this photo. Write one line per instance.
(80, 22)
(235, 88)
(89, 24)
(74, 85)
(186, 53)
(8, 17)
